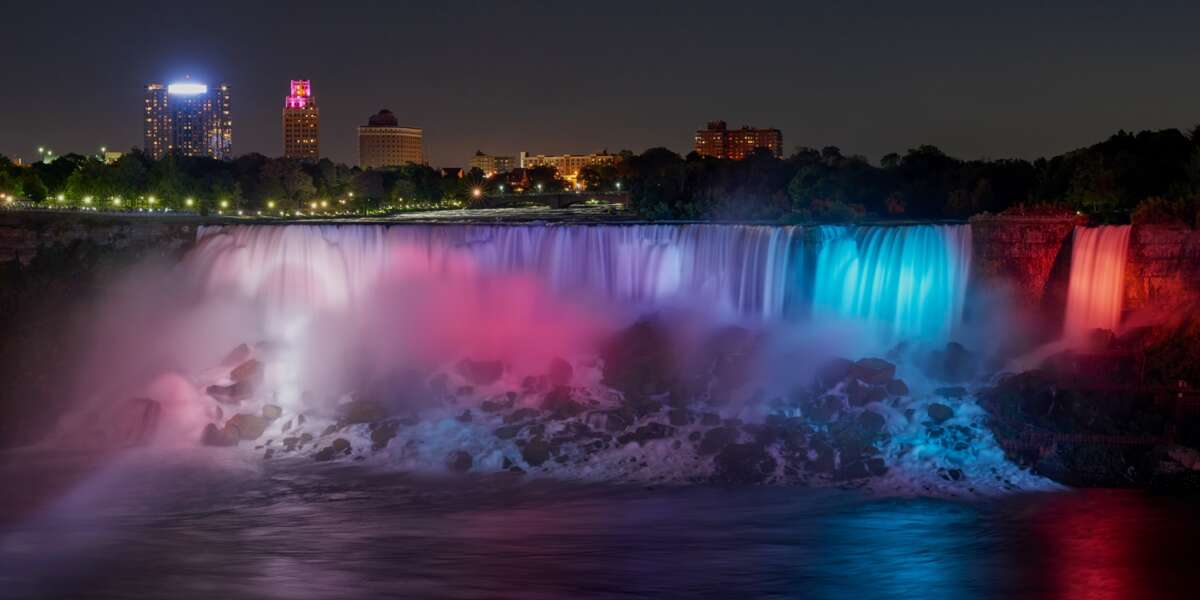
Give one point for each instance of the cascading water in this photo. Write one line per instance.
(909, 282)
(1097, 279)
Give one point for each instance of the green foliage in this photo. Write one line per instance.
(1162, 211)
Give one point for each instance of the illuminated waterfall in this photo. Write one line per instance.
(737, 270)
(1097, 279)
(909, 282)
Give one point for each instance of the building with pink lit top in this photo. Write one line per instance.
(301, 123)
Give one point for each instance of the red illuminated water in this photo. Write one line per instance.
(1094, 296)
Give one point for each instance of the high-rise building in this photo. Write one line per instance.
(382, 142)
(721, 142)
(491, 164)
(301, 123)
(189, 118)
(568, 165)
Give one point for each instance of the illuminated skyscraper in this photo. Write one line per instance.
(189, 118)
(301, 123)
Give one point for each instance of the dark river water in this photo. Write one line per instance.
(138, 527)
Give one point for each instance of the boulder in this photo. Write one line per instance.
(536, 452)
(272, 412)
(897, 387)
(480, 372)
(646, 433)
(325, 454)
(871, 421)
(560, 405)
(743, 464)
(560, 372)
(341, 445)
(639, 360)
(954, 364)
(521, 415)
(231, 394)
(249, 427)
(382, 434)
(459, 461)
(832, 373)
(237, 356)
(250, 370)
(498, 403)
(361, 410)
(216, 436)
(678, 417)
(716, 439)
(939, 412)
(873, 371)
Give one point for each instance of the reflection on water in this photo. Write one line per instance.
(192, 530)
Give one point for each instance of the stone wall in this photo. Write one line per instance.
(1027, 254)
(1163, 266)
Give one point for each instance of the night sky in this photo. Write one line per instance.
(1015, 79)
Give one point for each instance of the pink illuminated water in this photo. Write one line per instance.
(1097, 279)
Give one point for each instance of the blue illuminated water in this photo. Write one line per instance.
(907, 282)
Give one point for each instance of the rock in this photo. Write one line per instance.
(646, 433)
(536, 452)
(341, 445)
(497, 404)
(560, 372)
(480, 372)
(678, 417)
(508, 432)
(877, 466)
(743, 464)
(250, 371)
(383, 433)
(465, 417)
(560, 404)
(237, 356)
(361, 410)
(871, 421)
(710, 419)
(272, 412)
(856, 469)
(832, 373)
(250, 427)
(215, 436)
(897, 387)
(822, 410)
(716, 439)
(939, 412)
(521, 415)
(325, 454)
(873, 371)
(459, 461)
(639, 360)
(231, 394)
(954, 364)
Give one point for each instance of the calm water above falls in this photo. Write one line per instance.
(186, 530)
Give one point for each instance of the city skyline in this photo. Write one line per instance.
(994, 82)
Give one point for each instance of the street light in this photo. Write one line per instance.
(477, 192)
(189, 202)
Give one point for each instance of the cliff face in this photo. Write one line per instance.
(1032, 255)
(1163, 267)
(53, 267)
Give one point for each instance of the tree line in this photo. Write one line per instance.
(1154, 175)
(1148, 176)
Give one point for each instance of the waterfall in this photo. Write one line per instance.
(1094, 294)
(737, 270)
(908, 282)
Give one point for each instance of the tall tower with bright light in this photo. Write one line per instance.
(189, 118)
(301, 123)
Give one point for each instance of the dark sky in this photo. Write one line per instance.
(979, 79)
